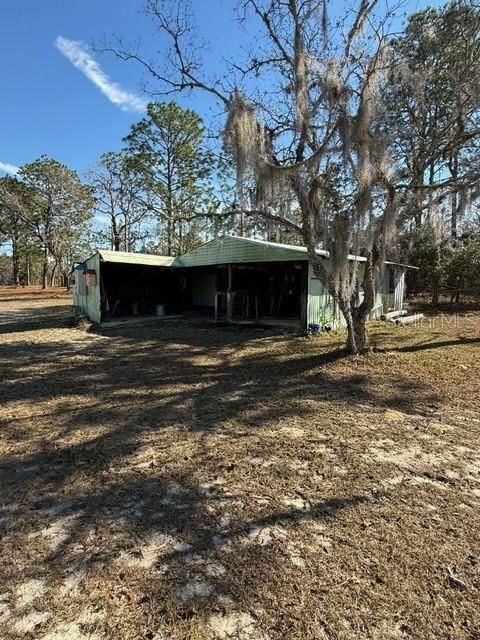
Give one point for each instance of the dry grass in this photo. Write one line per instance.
(179, 482)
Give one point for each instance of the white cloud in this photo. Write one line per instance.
(11, 169)
(81, 58)
(100, 218)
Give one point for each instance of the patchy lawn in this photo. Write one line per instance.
(180, 482)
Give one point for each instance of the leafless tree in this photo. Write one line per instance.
(12, 227)
(119, 200)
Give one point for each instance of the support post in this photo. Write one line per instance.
(230, 294)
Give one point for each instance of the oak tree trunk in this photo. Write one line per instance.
(356, 322)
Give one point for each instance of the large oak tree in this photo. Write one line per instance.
(304, 122)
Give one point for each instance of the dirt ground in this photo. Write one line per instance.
(177, 481)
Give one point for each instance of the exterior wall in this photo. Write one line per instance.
(393, 288)
(399, 295)
(377, 311)
(321, 309)
(90, 302)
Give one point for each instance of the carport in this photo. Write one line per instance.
(117, 284)
(247, 281)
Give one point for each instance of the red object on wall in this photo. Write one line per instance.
(91, 277)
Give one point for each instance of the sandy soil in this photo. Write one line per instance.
(178, 482)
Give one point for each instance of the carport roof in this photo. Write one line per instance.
(234, 249)
(224, 250)
(125, 257)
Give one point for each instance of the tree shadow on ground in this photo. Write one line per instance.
(161, 540)
(126, 452)
(32, 319)
(439, 344)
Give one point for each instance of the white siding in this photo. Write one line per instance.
(399, 289)
(90, 302)
(321, 309)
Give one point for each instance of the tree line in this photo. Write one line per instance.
(343, 133)
(164, 192)
(45, 214)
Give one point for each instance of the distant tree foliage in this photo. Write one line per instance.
(168, 153)
(118, 189)
(57, 212)
(14, 230)
(433, 103)
(433, 100)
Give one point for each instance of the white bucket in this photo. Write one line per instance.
(160, 310)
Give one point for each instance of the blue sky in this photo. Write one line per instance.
(50, 107)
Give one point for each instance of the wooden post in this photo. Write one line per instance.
(230, 294)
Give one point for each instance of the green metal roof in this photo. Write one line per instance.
(234, 249)
(223, 250)
(125, 257)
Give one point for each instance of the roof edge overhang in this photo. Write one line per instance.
(301, 252)
(293, 247)
(150, 259)
(401, 264)
(130, 257)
